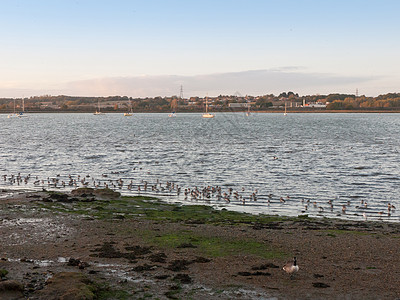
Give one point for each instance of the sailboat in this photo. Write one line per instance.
(248, 110)
(98, 112)
(15, 114)
(207, 114)
(285, 113)
(22, 113)
(174, 105)
(130, 112)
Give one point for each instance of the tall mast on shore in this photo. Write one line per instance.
(181, 93)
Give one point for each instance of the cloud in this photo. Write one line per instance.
(253, 82)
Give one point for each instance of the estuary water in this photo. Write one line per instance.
(330, 165)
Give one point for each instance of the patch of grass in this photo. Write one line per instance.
(154, 209)
(104, 291)
(216, 246)
(3, 273)
(203, 214)
(303, 217)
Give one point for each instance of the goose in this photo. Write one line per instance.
(291, 267)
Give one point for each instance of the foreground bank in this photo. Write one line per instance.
(94, 244)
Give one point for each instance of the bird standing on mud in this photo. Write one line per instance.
(291, 267)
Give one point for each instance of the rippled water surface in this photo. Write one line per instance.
(309, 160)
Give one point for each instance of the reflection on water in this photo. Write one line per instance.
(311, 161)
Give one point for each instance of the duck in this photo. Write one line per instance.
(291, 267)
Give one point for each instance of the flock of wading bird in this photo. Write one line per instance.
(206, 194)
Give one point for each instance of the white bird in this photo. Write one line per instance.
(291, 267)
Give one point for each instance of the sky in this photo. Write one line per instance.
(148, 48)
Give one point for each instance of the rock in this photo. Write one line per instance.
(258, 273)
(67, 286)
(138, 250)
(143, 268)
(244, 273)
(183, 278)
(161, 277)
(178, 265)
(320, 285)
(265, 266)
(99, 193)
(11, 285)
(158, 257)
(11, 289)
(77, 263)
(73, 262)
(107, 193)
(82, 192)
(186, 245)
(107, 250)
(201, 260)
(59, 197)
(33, 196)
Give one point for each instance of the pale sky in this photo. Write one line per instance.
(152, 47)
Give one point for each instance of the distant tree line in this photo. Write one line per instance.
(390, 101)
(351, 102)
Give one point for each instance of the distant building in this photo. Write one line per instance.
(238, 105)
(44, 105)
(315, 105)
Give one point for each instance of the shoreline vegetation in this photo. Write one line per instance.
(223, 103)
(97, 244)
(276, 111)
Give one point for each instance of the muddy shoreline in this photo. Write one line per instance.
(98, 245)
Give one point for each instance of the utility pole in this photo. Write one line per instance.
(181, 93)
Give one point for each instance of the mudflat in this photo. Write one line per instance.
(95, 244)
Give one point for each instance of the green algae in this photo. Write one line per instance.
(154, 209)
(3, 273)
(213, 246)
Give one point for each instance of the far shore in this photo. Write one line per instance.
(272, 111)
